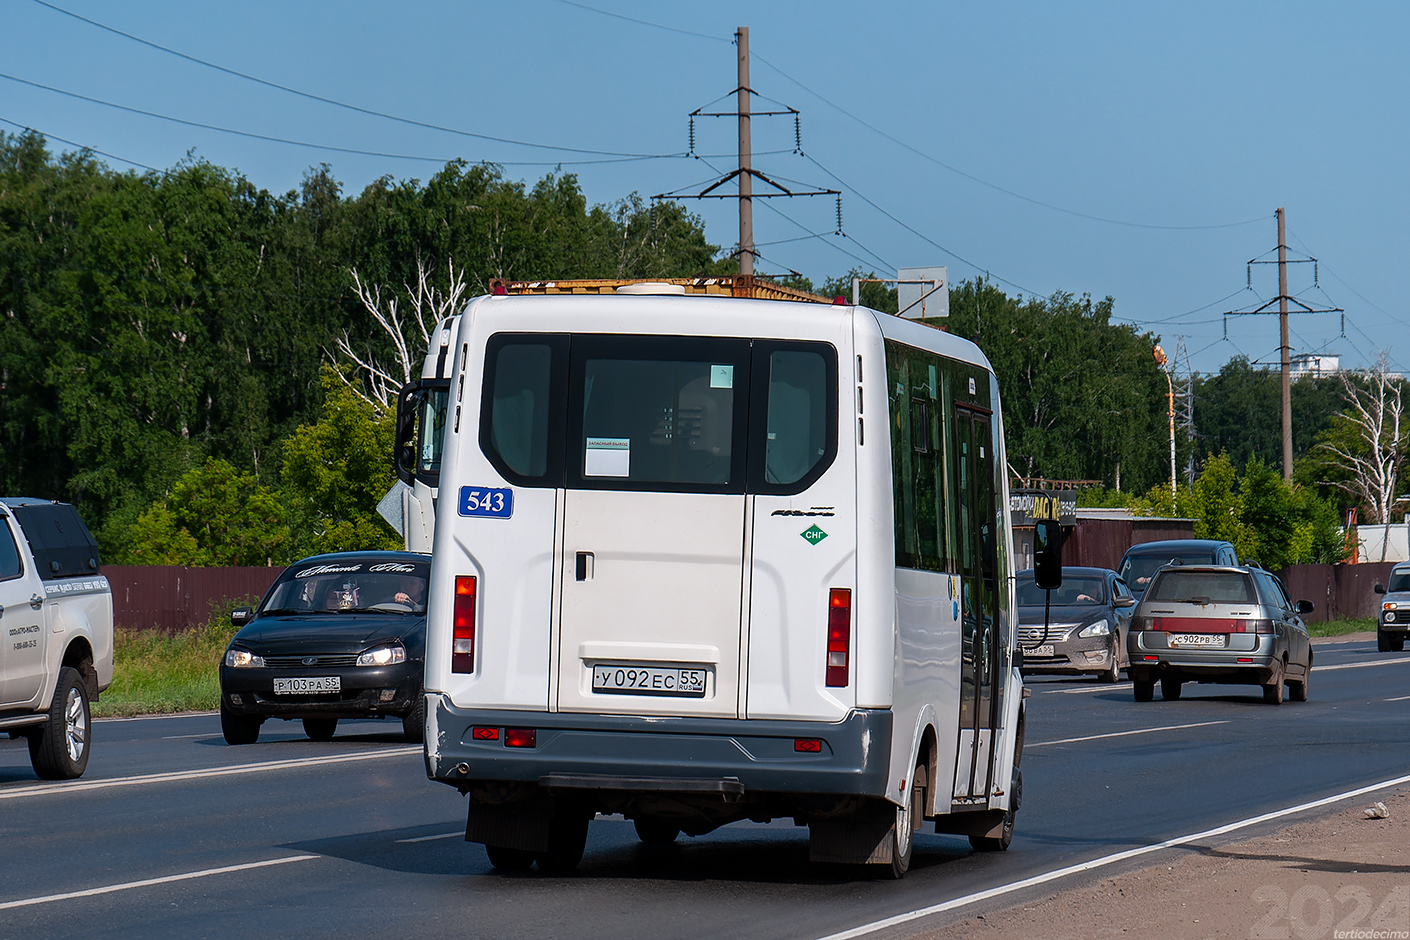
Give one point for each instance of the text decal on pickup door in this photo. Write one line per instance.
(483, 501)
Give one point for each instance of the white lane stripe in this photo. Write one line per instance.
(79, 786)
(1119, 734)
(160, 717)
(149, 882)
(1095, 688)
(444, 835)
(1104, 861)
(1378, 662)
(1403, 698)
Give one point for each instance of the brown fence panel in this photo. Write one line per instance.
(1100, 543)
(1337, 591)
(175, 597)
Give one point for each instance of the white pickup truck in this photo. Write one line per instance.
(56, 633)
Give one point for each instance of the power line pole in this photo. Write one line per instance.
(746, 177)
(745, 174)
(1284, 349)
(1283, 344)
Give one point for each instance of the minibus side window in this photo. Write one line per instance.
(521, 418)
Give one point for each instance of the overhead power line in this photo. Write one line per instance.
(303, 143)
(343, 104)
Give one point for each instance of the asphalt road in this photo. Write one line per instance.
(171, 833)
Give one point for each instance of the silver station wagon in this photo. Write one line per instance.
(1224, 624)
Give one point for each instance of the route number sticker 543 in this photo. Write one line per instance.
(483, 501)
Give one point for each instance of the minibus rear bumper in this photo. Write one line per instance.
(732, 757)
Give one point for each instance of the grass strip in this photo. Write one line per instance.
(1343, 626)
(159, 673)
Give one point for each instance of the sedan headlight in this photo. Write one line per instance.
(239, 658)
(383, 656)
(1100, 628)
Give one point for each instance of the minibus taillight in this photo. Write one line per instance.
(462, 650)
(839, 635)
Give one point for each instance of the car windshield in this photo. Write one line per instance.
(1202, 587)
(354, 586)
(1137, 569)
(1399, 582)
(1075, 591)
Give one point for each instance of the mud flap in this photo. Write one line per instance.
(863, 838)
(525, 828)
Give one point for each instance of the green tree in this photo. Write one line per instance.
(214, 515)
(1083, 398)
(335, 473)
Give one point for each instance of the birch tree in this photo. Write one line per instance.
(407, 320)
(1373, 451)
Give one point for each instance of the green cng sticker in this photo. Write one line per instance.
(813, 534)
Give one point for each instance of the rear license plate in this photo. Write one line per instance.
(308, 686)
(1197, 639)
(648, 680)
(1039, 651)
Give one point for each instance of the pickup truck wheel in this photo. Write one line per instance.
(320, 729)
(58, 749)
(239, 729)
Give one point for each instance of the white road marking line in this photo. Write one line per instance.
(1095, 688)
(1403, 698)
(160, 717)
(1104, 861)
(149, 882)
(177, 737)
(78, 786)
(1378, 662)
(444, 835)
(1118, 734)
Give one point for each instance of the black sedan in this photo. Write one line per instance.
(337, 636)
(1086, 624)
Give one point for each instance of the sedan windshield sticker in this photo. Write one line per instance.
(496, 503)
(608, 457)
(327, 569)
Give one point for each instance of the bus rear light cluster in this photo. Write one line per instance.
(462, 650)
(839, 635)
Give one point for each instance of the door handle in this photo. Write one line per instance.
(585, 566)
(36, 602)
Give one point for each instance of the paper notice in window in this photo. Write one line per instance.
(608, 457)
(722, 376)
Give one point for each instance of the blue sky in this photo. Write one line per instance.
(1129, 149)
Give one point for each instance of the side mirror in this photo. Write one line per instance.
(1379, 588)
(241, 616)
(1304, 607)
(404, 450)
(1125, 602)
(1047, 554)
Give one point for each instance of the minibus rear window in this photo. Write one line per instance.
(658, 413)
(797, 434)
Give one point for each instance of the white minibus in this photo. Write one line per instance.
(700, 558)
